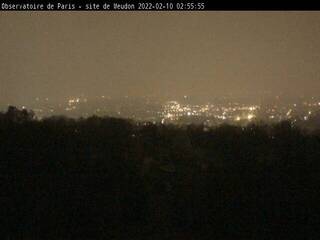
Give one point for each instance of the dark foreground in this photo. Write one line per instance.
(105, 178)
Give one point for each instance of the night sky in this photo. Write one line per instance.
(159, 54)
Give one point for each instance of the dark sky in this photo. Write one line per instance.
(164, 54)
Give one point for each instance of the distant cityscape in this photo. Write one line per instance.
(304, 111)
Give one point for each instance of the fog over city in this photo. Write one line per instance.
(49, 60)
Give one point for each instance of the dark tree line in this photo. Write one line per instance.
(108, 178)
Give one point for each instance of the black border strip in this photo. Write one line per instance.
(160, 5)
